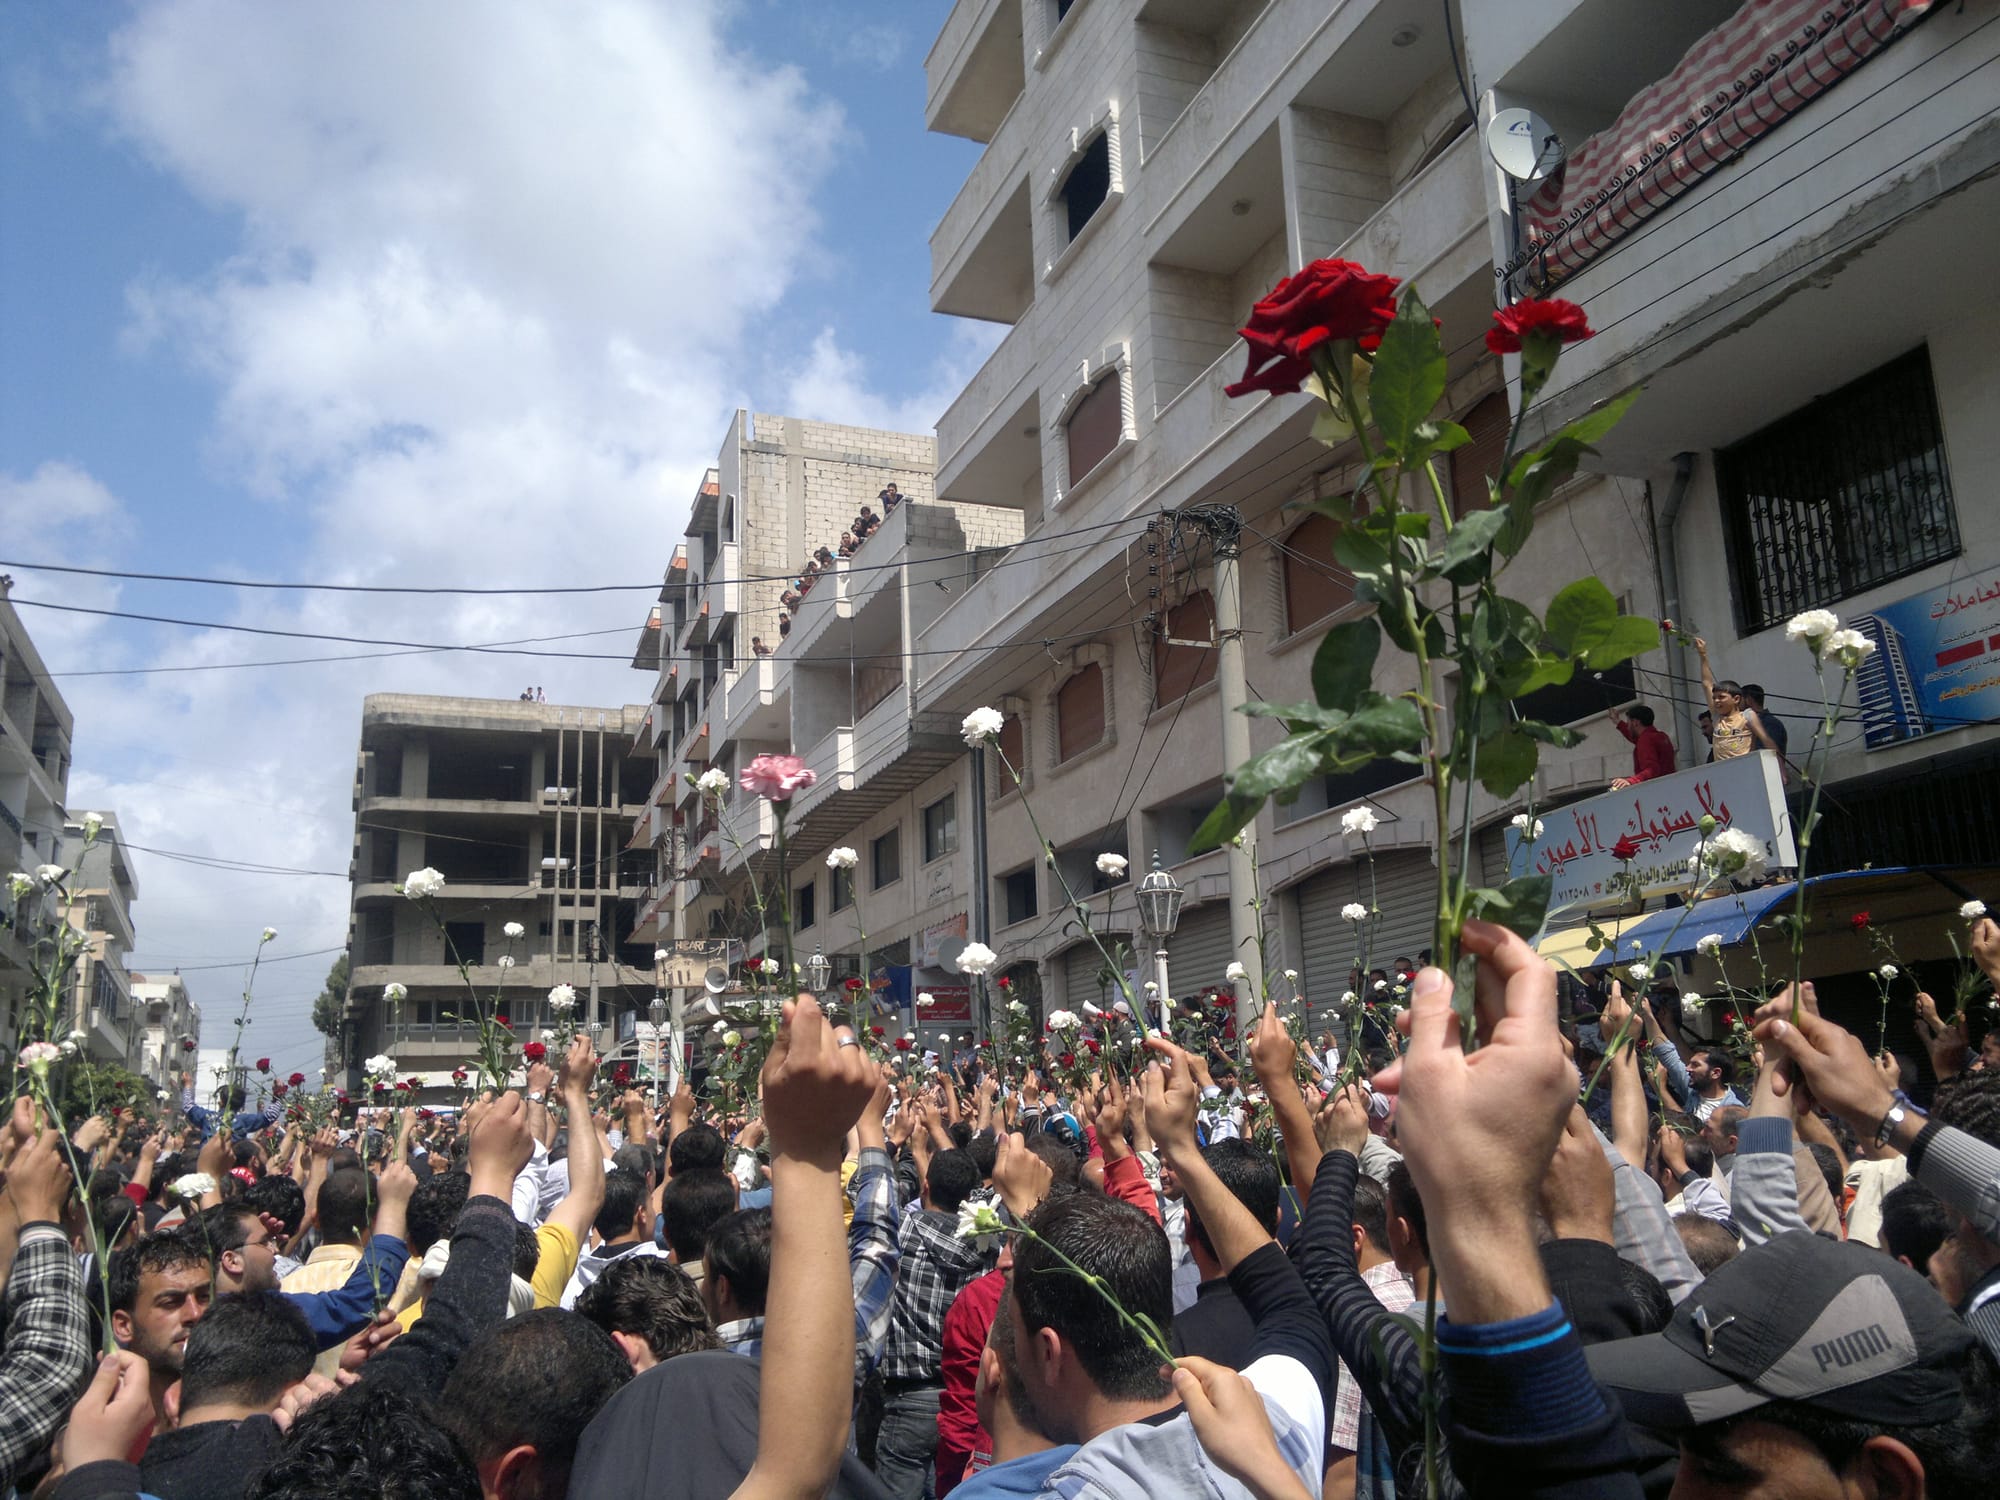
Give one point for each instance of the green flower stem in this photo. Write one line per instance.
(39, 1090)
(1816, 755)
(1145, 1327)
(1433, 1433)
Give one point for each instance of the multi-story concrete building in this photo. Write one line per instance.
(170, 1019)
(35, 731)
(527, 810)
(103, 889)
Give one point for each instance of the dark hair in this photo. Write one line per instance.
(1956, 1453)
(950, 1179)
(281, 1198)
(1733, 688)
(247, 1348)
(1720, 1063)
(1252, 1180)
(1914, 1223)
(434, 1209)
(1406, 1203)
(169, 1250)
(527, 1250)
(113, 1215)
(984, 1149)
(960, 1133)
(502, 1394)
(225, 1227)
(692, 1204)
(1125, 1248)
(1970, 1102)
(1754, 691)
(1063, 1163)
(624, 1196)
(637, 1158)
(1700, 1160)
(696, 1149)
(1371, 1212)
(344, 1199)
(371, 1439)
(1708, 1244)
(739, 1251)
(1639, 713)
(653, 1299)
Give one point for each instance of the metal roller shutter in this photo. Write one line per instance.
(1080, 965)
(1405, 888)
(1199, 950)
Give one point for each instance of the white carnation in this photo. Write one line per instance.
(1888, 971)
(421, 883)
(50, 874)
(1063, 1020)
(1354, 911)
(1691, 1001)
(193, 1187)
(1529, 827)
(1972, 911)
(394, 992)
(1348, 997)
(660, 955)
(93, 824)
(19, 885)
(37, 1056)
(1812, 627)
(269, 933)
(380, 1064)
(1358, 820)
(981, 725)
(1641, 973)
(505, 961)
(513, 930)
(842, 858)
(925, 1000)
(1709, 945)
(1731, 852)
(732, 1039)
(562, 999)
(976, 958)
(1848, 647)
(713, 782)
(1235, 972)
(1112, 866)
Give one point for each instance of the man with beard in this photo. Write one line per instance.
(160, 1288)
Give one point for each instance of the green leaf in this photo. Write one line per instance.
(1468, 551)
(1498, 620)
(1409, 376)
(1378, 726)
(1312, 714)
(1358, 551)
(1521, 905)
(1506, 761)
(1282, 768)
(1581, 616)
(1438, 437)
(1345, 663)
(1628, 636)
(1559, 735)
(1593, 425)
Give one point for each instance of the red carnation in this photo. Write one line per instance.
(425, 1114)
(902, 1044)
(852, 986)
(876, 1031)
(1068, 1059)
(1328, 300)
(381, 1088)
(296, 1079)
(1627, 848)
(187, 1044)
(458, 1075)
(263, 1065)
(402, 1088)
(1858, 921)
(1094, 1045)
(534, 1052)
(1006, 983)
(503, 1021)
(1537, 318)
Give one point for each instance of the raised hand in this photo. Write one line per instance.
(1342, 1121)
(816, 1081)
(1172, 1097)
(1021, 1177)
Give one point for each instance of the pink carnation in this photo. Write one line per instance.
(776, 777)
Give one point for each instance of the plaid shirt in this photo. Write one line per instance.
(46, 1363)
(936, 1266)
(1393, 1292)
(873, 1254)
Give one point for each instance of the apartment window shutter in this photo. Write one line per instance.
(1488, 423)
(1315, 585)
(1013, 746)
(1095, 426)
(1080, 712)
(1179, 670)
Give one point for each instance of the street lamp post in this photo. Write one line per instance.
(657, 1014)
(1159, 897)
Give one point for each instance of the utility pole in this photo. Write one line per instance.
(1224, 527)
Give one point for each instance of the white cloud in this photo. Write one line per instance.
(834, 382)
(486, 317)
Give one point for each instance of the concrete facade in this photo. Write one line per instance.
(36, 728)
(104, 887)
(170, 1018)
(527, 809)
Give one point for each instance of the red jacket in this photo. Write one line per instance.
(1652, 751)
(965, 1328)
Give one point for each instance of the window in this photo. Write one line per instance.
(841, 890)
(885, 857)
(1487, 422)
(1095, 427)
(1841, 495)
(1088, 183)
(1315, 585)
(465, 942)
(1584, 696)
(804, 908)
(1178, 669)
(1014, 745)
(1080, 712)
(1018, 896)
(941, 827)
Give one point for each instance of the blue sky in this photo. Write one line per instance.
(351, 292)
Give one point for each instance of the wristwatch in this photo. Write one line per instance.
(535, 1097)
(1896, 1115)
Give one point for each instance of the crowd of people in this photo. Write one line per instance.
(1413, 1267)
(863, 526)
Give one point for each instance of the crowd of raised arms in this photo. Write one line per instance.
(897, 1276)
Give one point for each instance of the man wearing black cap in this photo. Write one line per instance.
(1807, 1367)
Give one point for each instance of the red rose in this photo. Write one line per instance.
(1068, 1059)
(621, 1075)
(425, 1114)
(1006, 983)
(1094, 1045)
(1858, 921)
(187, 1044)
(401, 1088)
(296, 1079)
(1627, 848)
(876, 1031)
(1328, 300)
(381, 1088)
(1552, 318)
(458, 1075)
(534, 1052)
(902, 1044)
(852, 986)
(503, 1021)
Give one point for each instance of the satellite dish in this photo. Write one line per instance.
(715, 980)
(948, 952)
(1523, 145)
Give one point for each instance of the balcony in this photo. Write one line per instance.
(989, 440)
(758, 696)
(865, 768)
(983, 249)
(722, 585)
(974, 72)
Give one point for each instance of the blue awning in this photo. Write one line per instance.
(1673, 931)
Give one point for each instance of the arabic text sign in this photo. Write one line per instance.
(1936, 665)
(1580, 844)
